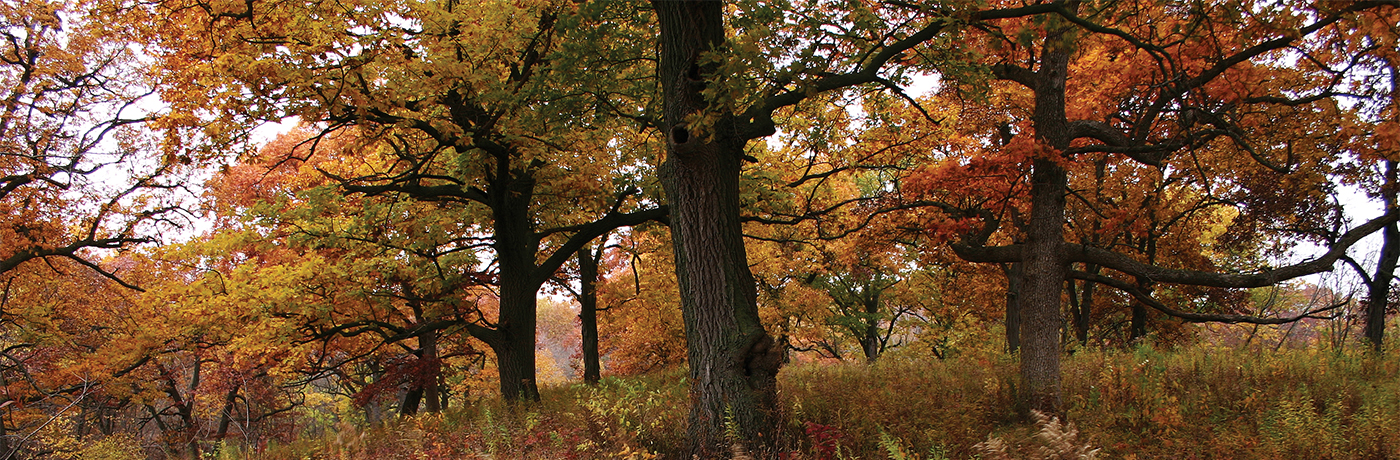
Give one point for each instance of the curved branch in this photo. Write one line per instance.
(1148, 300)
(588, 232)
(758, 121)
(1122, 263)
(1013, 72)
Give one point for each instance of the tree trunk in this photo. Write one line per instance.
(1013, 306)
(5, 434)
(428, 352)
(1378, 296)
(1045, 263)
(411, 400)
(225, 419)
(733, 361)
(1137, 329)
(870, 337)
(184, 407)
(374, 409)
(1138, 326)
(517, 248)
(588, 313)
(1082, 305)
(1043, 276)
(515, 343)
(423, 387)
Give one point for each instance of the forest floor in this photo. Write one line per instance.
(1190, 403)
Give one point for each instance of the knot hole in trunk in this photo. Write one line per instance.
(679, 135)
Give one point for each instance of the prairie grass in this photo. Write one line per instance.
(1191, 403)
(634, 418)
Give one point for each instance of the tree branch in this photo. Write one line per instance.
(1122, 263)
(1148, 300)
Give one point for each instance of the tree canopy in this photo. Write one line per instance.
(724, 186)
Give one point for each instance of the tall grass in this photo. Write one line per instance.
(636, 418)
(1196, 402)
(1192, 403)
(1215, 403)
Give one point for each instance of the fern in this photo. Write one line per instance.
(1053, 441)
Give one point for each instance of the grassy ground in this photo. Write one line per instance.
(1197, 403)
(1142, 404)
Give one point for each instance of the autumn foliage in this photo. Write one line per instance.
(893, 229)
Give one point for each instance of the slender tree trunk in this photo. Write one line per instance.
(1045, 264)
(225, 419)
(1138, 326)
(184, 406)
(428, 352)
(4, 433)
(870, 337)
(1378, 297)
(1082, 306)
(1013, 306)
(588, 313)
(733, 361)
(374, 410)
(412, 399)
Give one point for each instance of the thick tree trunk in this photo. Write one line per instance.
(1045, 264)
(733, 361)
(515, 347)
(588, 313)
(517, 248)
(1378, 296)
(1044, 274)
(513, 340)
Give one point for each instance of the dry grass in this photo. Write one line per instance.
(1143, 404)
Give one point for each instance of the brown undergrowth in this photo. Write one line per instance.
(1190, 403)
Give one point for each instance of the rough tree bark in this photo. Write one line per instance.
(517, 245)
(733, 361)
(1044, 262)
